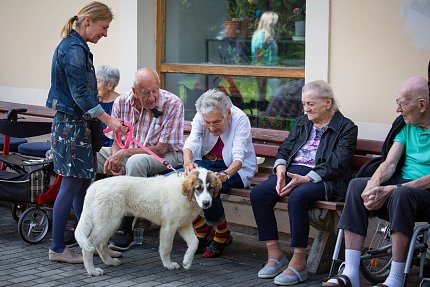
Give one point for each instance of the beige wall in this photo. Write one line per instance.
(371, 53)
(30, 31)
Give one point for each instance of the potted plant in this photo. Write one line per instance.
(237, 26)
(299, 23)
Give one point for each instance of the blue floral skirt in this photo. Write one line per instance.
(71, 147)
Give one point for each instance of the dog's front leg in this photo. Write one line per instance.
(187, 233)
(167, 233)
(105, 257)
(89, 264)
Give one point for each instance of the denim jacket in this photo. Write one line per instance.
(73, 80)
(334, 154)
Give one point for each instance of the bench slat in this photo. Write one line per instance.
(330, 205)
(32, 110)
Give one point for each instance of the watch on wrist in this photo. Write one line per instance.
(228, 177)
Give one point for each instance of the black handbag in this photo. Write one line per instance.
(96, 134)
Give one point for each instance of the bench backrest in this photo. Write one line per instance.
(267, 142)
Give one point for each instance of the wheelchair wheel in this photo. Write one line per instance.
(17, 210)
(375, 262)
(33, 225)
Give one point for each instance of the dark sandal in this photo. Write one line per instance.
(340, 282)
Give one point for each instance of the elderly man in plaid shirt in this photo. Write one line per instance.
(157, 117)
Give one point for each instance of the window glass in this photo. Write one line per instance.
(235, 32)
(277, 109)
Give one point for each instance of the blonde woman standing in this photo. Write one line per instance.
(73, 95)
(264, 48)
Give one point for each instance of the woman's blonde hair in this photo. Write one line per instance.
(268, 22)
(95, 10)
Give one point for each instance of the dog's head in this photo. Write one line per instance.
(204, 184)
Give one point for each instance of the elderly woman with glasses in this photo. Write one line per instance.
(221, 141)
(312, 164)
(107, 80)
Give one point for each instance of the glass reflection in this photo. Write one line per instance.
(278, 111)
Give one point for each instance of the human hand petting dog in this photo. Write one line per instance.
(223, 176)
(189, 166)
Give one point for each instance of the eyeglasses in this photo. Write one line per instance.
(147, 93)
(404, 104)
(216, 124)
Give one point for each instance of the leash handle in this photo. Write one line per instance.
(130, 138)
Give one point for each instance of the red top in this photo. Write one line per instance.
(217, 149)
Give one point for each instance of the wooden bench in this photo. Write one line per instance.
(33, 111)
(324, 215)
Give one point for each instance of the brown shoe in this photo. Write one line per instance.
(67, 256)
(112, 253)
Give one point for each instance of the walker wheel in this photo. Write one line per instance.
(33, 225)
(17, 210)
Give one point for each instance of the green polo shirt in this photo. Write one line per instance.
(417, 146)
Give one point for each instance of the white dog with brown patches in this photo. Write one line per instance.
(172, 202)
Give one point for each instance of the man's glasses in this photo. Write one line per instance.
(404, 104)
(147, 93)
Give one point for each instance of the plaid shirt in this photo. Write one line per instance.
(167, 128)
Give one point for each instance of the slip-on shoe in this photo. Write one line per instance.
(295, 278)
(272, 271)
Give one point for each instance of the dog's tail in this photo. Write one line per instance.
(83, 230)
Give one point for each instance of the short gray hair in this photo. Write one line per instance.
(213, 100)
(108, 74)
(322, 90)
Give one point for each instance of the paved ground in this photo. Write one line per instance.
(23, 264)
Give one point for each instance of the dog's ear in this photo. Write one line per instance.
(189, 183)
(215, 182)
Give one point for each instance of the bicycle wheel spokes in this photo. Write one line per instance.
(375, 261)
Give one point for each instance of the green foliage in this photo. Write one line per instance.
(238, 9)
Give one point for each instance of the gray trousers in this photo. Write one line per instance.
(143, 165)
(405, 206)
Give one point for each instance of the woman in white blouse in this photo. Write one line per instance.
(221, 141)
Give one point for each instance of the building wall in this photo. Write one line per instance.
(30, 31)
(374, 46)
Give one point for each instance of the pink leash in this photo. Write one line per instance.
(130, 139)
